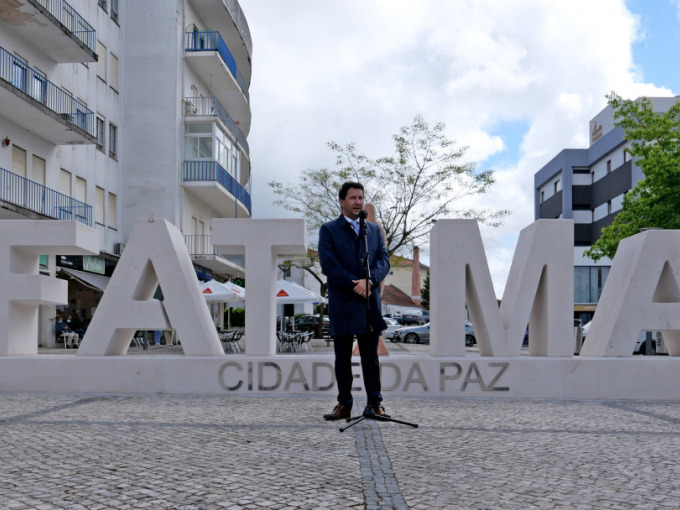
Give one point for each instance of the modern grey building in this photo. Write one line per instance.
(587, 186)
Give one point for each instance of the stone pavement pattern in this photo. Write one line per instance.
(81, 451)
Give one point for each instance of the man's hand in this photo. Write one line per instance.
(360, 287)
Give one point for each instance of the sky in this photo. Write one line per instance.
(516, 81)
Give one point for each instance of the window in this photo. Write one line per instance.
(609, 206)
(113, 72)
(557, 185)
(81, 189)
(101, 64)
(198, 140)
(626, 156)
(65, 182)
(101, 136)
(609, 166)
(102, 4)
(38, 170)
(18, 161)
(203, 140)
(114, 10)
(113, 210)
(588, 283)
(99, 205)
(19, 73)
(113, 140)
(542, 196)
(39, 87)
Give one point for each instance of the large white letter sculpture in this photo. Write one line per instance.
(155, 254)
(540, 291)
(641, 294)
(262, 241)
(23, 288)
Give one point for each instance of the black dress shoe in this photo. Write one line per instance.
(340, 412)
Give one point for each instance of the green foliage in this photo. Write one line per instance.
(425, 293)
(238, 317)
(654, 202)
(410, 190)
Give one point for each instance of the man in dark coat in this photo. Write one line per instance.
(342, 254)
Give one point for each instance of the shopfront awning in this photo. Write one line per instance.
(90, 280)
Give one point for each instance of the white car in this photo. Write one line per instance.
(641, 344)
(392, 326)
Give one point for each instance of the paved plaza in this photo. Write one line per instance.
(111, 451)
(104, 451)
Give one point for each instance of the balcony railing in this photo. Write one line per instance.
(67, 16)
(211, 171)
(29, 81)
(211, 106)
(28, 194)
(212, 41)
(202, 245)
(240, 20)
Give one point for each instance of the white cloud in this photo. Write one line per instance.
(356, 71)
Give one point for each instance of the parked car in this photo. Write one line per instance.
(392, 326)
(413, 334)
(311, 323)
(640, 344)
(426, 315)
(410, 318)
(421, 334)
(470, 338)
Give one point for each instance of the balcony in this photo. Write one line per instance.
(54, 27)
(211, 107)
(203, 253)
(216, 187)
(33, 102)
(208, 55)
(28, 195)
(227, 18)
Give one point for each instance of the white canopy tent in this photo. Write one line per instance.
(218, 293)
(290, 292)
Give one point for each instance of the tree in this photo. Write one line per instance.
(425, 293)
(654, 202)
(410, 190)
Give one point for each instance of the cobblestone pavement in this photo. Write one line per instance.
(80, 451)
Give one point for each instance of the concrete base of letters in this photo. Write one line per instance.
(631, 378)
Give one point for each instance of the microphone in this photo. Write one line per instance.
(363, 215)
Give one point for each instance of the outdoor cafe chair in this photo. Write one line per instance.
(303, 340)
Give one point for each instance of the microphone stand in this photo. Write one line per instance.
(369, 413)
(363, 233)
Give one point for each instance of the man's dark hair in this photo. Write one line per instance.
(347, 186)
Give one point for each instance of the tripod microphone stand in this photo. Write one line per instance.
(369, 413)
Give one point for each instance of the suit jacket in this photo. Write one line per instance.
(341, 253)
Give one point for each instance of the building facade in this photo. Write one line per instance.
(587, 186)
(114, 111)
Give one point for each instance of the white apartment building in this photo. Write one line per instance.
(588, 185)
(113, 110)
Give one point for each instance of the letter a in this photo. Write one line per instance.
(155, 254)
(641, 294)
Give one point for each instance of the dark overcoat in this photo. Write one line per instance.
(341, 254)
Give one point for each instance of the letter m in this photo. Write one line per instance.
(539, 291)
